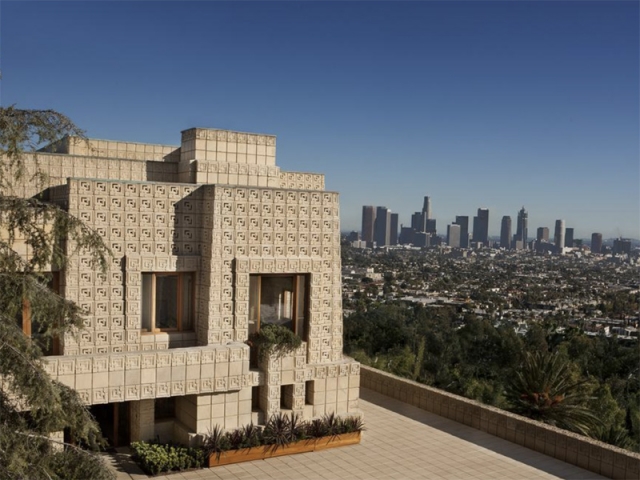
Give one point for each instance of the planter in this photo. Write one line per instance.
(343, 440)
(270, 451)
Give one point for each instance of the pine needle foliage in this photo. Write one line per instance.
(36, 237)
(543, 389)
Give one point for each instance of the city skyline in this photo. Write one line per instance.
(492, 104)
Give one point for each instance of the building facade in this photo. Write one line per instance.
(210, 241)
(481, 226)
(453, 235)
(596, 242)
(368, 222)
(558, 237)
(463, 221)
(505, 232)
(382, 227)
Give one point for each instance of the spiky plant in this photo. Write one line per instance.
(277, 432)
(252, 435)
(543, 389)
(216, 442)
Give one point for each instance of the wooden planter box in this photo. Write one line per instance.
(269, 451)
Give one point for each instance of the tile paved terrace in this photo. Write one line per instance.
(401, 442)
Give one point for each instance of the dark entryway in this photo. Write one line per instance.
(114, 421)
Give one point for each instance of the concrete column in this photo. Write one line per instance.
(142, 420)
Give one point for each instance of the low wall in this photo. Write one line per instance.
(575, 449)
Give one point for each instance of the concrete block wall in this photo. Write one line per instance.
(592, 455)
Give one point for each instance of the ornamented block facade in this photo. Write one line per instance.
(210, 240)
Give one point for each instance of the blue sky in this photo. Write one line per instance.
(477, 104)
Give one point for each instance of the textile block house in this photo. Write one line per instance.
(210, 240)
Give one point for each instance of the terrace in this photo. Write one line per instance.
(404, 441)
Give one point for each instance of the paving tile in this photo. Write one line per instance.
(401, 442)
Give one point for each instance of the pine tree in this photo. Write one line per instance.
(36, 237)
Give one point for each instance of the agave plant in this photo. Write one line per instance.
(542, 389)
(333, 424)
(237, 439)
(277, 432)
(216, 442)
(352, 424)
(316, 428)
(297, 428)
(252, 435)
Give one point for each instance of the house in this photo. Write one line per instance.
(210, 241)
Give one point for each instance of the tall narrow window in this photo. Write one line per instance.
(279, 299)
(167, 301)
(36, 330)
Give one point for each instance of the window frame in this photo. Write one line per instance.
(305, 307)
(179, 301)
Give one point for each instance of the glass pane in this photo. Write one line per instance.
(166, 301)
(276, 302)
(147, 296)
(254, 303)
(301, 297)
(187, 301)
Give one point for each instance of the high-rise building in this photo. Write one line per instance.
(558, 237)
(431, 226)
(621, 246)
(418, 222)
(382, 227)
(543, 234)
(481, 226)
(426, 207)
(596, 242)
(522, 229)
(368, 221)
(406, 236)
(453, 235)
(568, 237)
(166, 330)
(505, 233)
(393, 233)
(463, 221)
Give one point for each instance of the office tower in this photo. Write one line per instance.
(421, 239)
(418, 222)
(505, 233)
(621, 246)
(463, 221)
(596, 242)
(453, 235)
(543, 234)
(165, 331)
(393, 234)
(431, 226)
(353, 236)
(406, 235)
(426, 208)
(368, 221)
(481, 226)
(568, 237)
(558, 237)
(522, 229)
(382, 227)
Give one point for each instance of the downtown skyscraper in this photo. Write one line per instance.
(505, 233)
(522, 230)
(368, 222)
(481, 226)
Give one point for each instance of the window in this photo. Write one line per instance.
(34, 329)
(164, 408)
(279, 299)
(167, 301)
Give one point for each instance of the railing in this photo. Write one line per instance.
(584, 452)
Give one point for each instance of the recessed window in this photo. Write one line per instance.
(164, 408)
(279, 299)
(167, 301)
(31, 327)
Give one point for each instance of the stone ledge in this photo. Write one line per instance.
(569, 447)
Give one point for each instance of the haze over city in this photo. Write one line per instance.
(476, 104)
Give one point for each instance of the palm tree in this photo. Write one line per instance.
(542, 389)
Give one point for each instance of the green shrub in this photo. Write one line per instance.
(275, 339)
(155, 458)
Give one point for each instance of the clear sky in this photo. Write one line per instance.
(477, 104)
